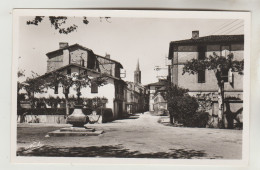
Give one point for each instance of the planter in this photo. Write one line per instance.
(77, 118)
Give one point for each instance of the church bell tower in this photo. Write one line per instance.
(137, 74)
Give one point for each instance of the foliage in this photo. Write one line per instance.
(73, 79)
(59, 21)
(183, 108)
(95, 102)
(199, 119)
(205, 102)
(180, 104)
(186, 109)
(214, 62)
(220, 65)
(33, 84)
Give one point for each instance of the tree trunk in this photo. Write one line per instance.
(31, 94)
(218, 74)
(171, 119)
(221, 120)
(67, 104)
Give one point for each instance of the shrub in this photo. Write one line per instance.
(107, 114)
(199, 119)
(182, 108)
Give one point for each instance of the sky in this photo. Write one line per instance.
(125, 39)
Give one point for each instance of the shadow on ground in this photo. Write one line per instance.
(108, 151)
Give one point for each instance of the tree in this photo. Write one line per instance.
(33, 85)
(75, 80)
(20, 73)
(173, 95)
(59, 21)
(220, 65)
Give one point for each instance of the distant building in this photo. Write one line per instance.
(160, 101)
(76, 58)
(136, 94)
(152, 89)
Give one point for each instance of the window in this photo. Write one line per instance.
(225, 50)
(202, 52)
(94, 87)
(201, 76)
(201, 56)
(56, 89)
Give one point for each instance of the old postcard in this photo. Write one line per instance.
(130, 86)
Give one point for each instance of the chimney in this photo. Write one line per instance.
(107, 56)
(195, 34)
(63, 45)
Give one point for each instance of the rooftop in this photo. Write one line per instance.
(211, 39)
(84, 48)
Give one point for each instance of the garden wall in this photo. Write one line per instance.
(233, 114)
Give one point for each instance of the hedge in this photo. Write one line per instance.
(50, 111)
(107, 114)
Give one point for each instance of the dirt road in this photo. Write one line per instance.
(139, 136)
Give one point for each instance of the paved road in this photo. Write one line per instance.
(140, 136)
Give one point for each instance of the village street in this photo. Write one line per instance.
(139, 136)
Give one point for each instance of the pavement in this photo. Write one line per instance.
(140, 136)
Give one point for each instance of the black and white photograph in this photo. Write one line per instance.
(141, 85)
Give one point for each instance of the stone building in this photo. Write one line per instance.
(152, 89)
(205, 83)
(160, 102)
(201, 47)
(76, 58)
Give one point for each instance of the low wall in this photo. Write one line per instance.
(52, 119)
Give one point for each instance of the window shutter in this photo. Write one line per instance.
(94, 87)
(201, 52)
(201, 76)
(230, 77)
(56, 89)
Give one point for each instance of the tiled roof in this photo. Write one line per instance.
(79, 66)
(159, 83)
(212, 39)
(82, 47)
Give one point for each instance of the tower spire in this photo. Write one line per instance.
(137, 74)
(137, 66)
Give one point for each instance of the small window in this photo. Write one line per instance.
(69, 71)
(225, 50)
(56, 89)
(201, 76)
(94, 88)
